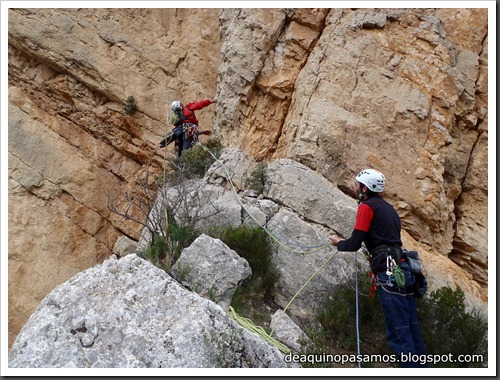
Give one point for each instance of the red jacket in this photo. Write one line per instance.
(189, 108)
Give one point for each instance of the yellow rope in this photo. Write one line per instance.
(245, 322)
(303, 286)
(250, 326)
(278, 241)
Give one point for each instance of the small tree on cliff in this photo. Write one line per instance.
(169, 205)
(140, 206)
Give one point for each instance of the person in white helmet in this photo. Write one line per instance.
(378, 225)
(186, 130)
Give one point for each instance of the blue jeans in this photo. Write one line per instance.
(400, 311)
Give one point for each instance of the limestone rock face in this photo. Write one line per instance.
(336, 90)
(262, 52)
(401, 90)
(71, 147)
(128, 313)
(309, 194)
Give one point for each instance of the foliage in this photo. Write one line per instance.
(165, 251)
(180, 237)
(130, 106)
(447, 327)
(157, 250)
(256, 179)
(253, 244)
(338, 317)
(194, 162)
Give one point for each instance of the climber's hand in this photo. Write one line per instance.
(335, 240)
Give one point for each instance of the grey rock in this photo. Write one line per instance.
(302, 251)
(287, 331)
(211, 269)
(128, 313)
(124, 246)
(312, 196)
(233, 164)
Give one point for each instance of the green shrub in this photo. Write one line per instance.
(253, 244)
(157, 250)
(130, 106)
(256, 179)
(195, 162)
(180, 237)
(338, 318)
(164, 252)
(448, 328)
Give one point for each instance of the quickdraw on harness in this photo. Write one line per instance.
(190, 131)
(395, 273)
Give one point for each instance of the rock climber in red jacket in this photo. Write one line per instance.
(185, 131)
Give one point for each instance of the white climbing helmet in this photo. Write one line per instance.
(176, 105)
(372, 179)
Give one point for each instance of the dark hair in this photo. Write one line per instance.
(369, 193)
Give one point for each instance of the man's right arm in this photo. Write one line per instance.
(353, 243)
(195, 106)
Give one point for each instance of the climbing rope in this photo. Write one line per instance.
(250, 326)
(357, 311)
(303, 286)
(165, 200)
(247, 323)
(280, 241)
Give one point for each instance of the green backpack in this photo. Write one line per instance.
(177, 118)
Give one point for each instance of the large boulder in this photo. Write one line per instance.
(128, 313)
(211, 269)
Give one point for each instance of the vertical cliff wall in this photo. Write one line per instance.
(71, 146)
(401, 90)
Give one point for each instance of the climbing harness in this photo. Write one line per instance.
(190, 130)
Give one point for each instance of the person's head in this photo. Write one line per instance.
(369, 181)
(176, 105)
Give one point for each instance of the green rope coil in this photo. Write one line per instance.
(250, 326)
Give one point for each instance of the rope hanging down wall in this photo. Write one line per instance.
(247, 323)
